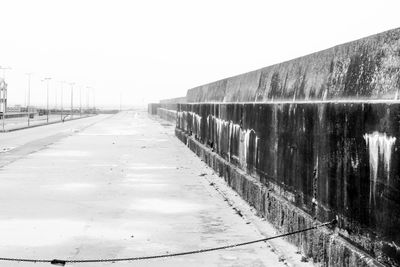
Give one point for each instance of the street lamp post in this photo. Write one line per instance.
(87, 99)
(48, 111)
(72, 100)
(55, 99)
(80, 102)
(29, 98)
(120, 101)
(94, 102)
(62, 104)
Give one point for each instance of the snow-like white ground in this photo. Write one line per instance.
(122, 185)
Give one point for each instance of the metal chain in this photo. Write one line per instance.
(63, 262)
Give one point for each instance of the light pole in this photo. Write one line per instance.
(80, 101)
(94, 102)
(72, 99)
(29, 97)
(55, 100)
(4, 99)
(120, 101)
(48, 111)
(62, 104)
(87, 99)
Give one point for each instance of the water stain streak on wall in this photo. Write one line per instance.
(328, 159)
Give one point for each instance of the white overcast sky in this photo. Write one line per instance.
(149, 50)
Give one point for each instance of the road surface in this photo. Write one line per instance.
(114, 186)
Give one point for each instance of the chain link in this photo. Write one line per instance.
(63, 262)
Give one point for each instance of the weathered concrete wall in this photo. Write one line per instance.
(152, 108)
(297, 162)
(174, 100)
(326, 159)
(367, 68)
(167, 114)
(169, 106)
(324, 245)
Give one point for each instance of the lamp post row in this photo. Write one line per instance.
(62, 102)
(3, 98)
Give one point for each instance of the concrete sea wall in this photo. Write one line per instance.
(174, 100)
(311, 139)
(167, 114)
(152, 107)
(324, 246)
(368, 68)
(310, 161)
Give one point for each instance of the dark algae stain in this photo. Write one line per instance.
(318, 154)
(330, 160)
(274, 90)
(367, 68)
(360, 73)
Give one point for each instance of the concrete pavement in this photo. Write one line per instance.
(118, 186)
